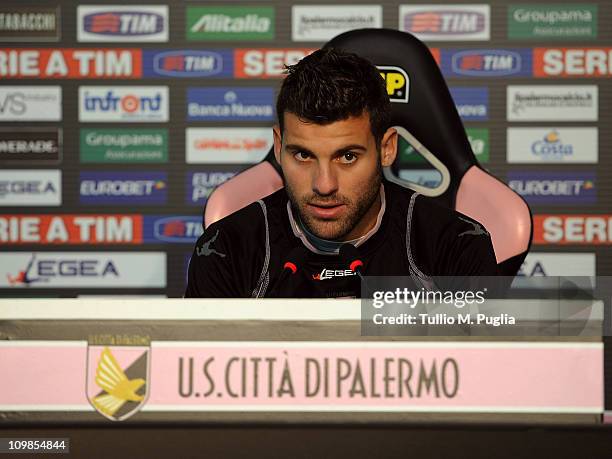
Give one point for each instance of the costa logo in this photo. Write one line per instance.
(552, 145)
(572, 229)
(572, 62)
(188, 63)
(266, 63)
(446, 22)
(71, 229)
(70, 63)
(397, 82)
(122, 23)
(486, 62)
(83, 269)
(173, 229)
(123, 103)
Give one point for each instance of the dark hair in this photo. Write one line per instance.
(331, 85)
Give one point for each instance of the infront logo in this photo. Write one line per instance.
(331, 273)
(397, 82)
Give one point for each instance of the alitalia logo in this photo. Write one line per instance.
(227, 24)
(210, 23)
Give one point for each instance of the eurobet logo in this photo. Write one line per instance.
(188, 63)
(124, 145)
(172, 229)
(572, 229)
(70, 63)
(397, 82)
(266, 62)
(226, 104)
(327, 274)
(71, 229)
(472, 103)
(220, 23)
(554, 187)
(123, 188)
(486, 62)
(572, 62)
(83, 269)
(31, 187)
(552, 22)
(122, 23)
(200, 185)
(538, 264)
(123, 103)
(446, 22)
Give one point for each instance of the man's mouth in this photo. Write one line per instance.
(326, 210)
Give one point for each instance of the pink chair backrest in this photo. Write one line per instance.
(243, 189)
(503, 213)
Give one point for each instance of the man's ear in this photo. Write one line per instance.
(388, 147)
(278, 142)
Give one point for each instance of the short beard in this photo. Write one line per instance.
(357, 210)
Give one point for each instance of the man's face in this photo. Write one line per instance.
(333, 173)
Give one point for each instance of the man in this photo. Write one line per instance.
(332, 139)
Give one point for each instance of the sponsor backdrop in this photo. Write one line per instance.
(118, 120)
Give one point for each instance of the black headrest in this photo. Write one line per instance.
(424, 105)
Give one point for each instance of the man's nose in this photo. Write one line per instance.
(325, 181)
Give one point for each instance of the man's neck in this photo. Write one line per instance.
(326, 246)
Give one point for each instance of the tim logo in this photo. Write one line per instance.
(188, 63)
(123, 23)
(117, 380)
(173, 229)
(445, 23)
(488, 62)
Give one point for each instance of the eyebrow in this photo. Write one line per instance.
(294, 146)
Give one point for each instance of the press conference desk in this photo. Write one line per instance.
(275, 376)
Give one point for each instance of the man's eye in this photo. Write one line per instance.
(348, 158)
(302, 156)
